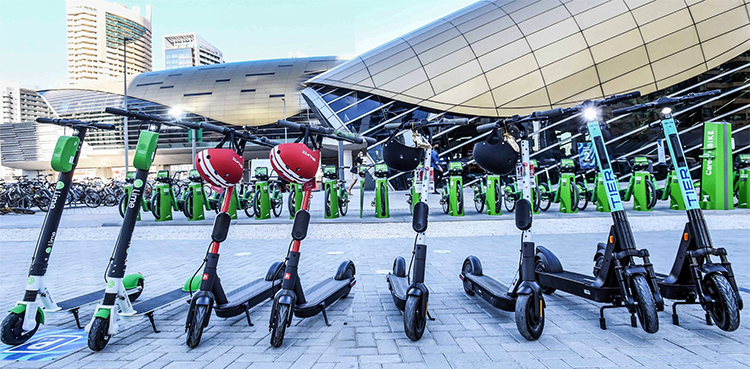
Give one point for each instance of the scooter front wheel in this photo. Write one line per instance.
(99, 334)
(529, 325)
(646, 307)
(196, 325)
(12, 329)
(278, 328)
(415, 319)
(725, 312)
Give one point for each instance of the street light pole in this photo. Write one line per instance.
(285, 130)
(125, 96)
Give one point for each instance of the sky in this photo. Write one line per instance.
(33, 34)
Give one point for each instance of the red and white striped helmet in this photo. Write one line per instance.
(220, 167)
(295, 162)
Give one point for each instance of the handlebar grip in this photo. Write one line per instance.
(135, 115)
(629, 109)
(370, 140)
(213, 127)
(457, 121)
(45, 120)
(486, 127)
(287, 124)
(617, 98)
(104, 126)
(550, 113)
(392, 126)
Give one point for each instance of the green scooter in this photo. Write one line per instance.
(641, 186)
(195, 198)
(163, 201)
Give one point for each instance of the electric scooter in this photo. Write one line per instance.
(297, 162)
(115, 305)
(23, 320)
(408, 288)
(223, 168)
(694, 275)
(523, 296)
(618, 279)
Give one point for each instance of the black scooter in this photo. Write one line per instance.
(211, 295)
(24, 319)
(292, 300)
(694, 276)
(617, 279)
(523, 296)
(408, 288)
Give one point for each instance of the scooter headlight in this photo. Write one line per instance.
(666, 111)
(590, 114)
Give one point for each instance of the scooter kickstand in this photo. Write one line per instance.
(151, 319)
(429, 316)
(675, 317)
(708, 319)
(247, 315)
(75, 316)
(633, 321)
(325, 316)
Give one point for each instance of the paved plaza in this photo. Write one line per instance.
(367, 329)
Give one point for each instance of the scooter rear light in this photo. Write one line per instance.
(461, 276)
(352, 283)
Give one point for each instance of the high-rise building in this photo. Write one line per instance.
(96, 31)
(21, 104)
(189, 50)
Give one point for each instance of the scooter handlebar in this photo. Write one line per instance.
(136, 115)
(614, 99)
(486, 127)
(392, 126)
(75, 123)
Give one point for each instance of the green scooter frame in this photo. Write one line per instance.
(163, 200)
(194, 198)
(382, 208)
(294, 200)
(128, 188)
(741, 186)
(262, 201)
(641, 188)
(452, 198)
(567, 194)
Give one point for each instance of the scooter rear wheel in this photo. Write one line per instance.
(479, 202)
(528, 325)
(12, 329)
(415, 319)
(195, 327)
(99, 334)
(725, 312)
(278, 328)
(646, 307)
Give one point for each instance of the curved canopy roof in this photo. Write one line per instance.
(241, 93)
(498, 58)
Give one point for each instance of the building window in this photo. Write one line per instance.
(260, 74)
(197, 94)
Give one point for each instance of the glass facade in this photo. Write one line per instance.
(626, 136)
(178, 58)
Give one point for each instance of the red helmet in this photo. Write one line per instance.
(295, 162)
(220, 167)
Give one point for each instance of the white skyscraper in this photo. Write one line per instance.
(96, 30)
(189, 50)
(21, 104)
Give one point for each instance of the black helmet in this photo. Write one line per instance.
(401, 157)
(495, 155)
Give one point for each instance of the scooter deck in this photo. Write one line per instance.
(147, 306)
(82, 300)
(674, 291)
(323, 295)
(247, 296)
(579, 285)
(492, 291)
(399, 287)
